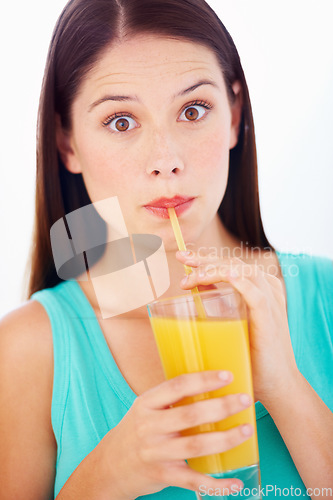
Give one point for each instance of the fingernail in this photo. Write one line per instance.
(237, 486)
(186, 253)
(247, 430)
(201, 273)
(224, 375)
(245, 399)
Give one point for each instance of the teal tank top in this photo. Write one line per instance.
(90, 395)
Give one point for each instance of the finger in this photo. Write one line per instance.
(204, 276)
(257, 298)
(199, 445)
(194, 260)
(207, 256)
(174, 390)
(197, 258)
(254, 297)
(202, 412)
(185, 477)
(205, 264)
(266, 284)
(212, 273)
(208, 274)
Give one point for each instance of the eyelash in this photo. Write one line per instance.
(205, 104)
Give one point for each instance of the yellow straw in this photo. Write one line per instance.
(181, 245)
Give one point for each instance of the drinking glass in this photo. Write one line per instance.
(213, 336)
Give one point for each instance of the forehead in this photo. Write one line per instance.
(154, 59)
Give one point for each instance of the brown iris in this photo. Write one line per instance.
(191, 114)
(122, 124)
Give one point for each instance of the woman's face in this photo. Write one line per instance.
(151, 120)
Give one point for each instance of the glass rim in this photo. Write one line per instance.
(184, 296)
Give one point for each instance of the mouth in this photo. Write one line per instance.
(159, 207)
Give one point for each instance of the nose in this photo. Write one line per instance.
(164, 159)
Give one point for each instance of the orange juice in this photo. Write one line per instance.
(195, 344)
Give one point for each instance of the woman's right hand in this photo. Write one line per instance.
(145, 452)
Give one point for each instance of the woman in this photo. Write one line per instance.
(143, 100)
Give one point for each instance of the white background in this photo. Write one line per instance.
(286, 49)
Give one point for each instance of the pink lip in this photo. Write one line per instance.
(160, 206)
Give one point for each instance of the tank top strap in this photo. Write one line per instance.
(54, 302)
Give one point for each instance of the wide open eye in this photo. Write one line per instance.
(120, 123)
(195, 111)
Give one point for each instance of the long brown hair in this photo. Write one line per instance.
(86, 28)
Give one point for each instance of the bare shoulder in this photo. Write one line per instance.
(31, 316)
(26, 341)
(28, 448)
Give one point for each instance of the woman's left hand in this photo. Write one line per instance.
(274, 367)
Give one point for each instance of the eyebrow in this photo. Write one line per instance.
(195, 86)
(122, 98)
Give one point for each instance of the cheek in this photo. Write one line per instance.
(104, 171)
(211, 154)
(211, 157)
